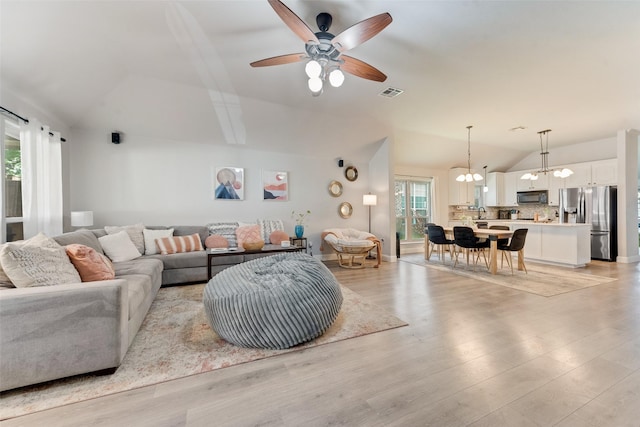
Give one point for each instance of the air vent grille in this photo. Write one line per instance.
(391, 92)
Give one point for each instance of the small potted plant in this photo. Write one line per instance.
(300, 218)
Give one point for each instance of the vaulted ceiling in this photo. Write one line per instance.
(180, 70)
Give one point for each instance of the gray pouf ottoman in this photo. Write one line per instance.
(274, 302)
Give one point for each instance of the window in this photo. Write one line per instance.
(413, 207)
(11, 182)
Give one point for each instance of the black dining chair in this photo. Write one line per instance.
(515, 245)
(465, 238)
(501, 227)
(438, 240)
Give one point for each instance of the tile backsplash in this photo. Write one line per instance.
(528, 211)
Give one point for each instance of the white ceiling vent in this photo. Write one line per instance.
(391, 92)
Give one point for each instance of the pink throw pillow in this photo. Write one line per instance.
(216, 241)
(91, 265)
(178, 244)
(278, 237)
(248, 233)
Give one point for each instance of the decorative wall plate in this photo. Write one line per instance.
(335, 188)
(345, 210)
(351, 173)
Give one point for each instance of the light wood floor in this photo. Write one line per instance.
(474, 354)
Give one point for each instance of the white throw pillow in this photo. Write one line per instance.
(39, 261)
(119, 247)
(134, 231)
(150, 236)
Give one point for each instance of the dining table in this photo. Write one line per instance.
(493, 236)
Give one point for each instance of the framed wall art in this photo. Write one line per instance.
(275, 185)
(229, 183)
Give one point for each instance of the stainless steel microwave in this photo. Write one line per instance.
(540, 197)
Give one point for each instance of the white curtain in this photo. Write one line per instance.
(41, 156)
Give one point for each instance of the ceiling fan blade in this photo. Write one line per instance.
(279, 60)
(361, 32)
(292, 20)
(361, 69)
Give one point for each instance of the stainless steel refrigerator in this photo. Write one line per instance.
(596, 206)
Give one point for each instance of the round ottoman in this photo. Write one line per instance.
(274, 302)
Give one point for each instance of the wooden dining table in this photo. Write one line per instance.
(486, 233)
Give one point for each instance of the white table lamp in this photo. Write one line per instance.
(82, 219)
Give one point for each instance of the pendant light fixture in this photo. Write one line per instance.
(469, 177)
(544, 154)
(485, 188)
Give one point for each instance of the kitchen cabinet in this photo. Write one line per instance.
(495, 184)
(600, 172)
(511, 188)
(542, 183)
(553, 243)
(460, 193)
(555, 184)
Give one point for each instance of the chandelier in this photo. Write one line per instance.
(469, 177)
(544, 154)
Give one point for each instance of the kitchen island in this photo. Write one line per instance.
(554, 243)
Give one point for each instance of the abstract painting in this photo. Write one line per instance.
(229, 184)
(275, 185)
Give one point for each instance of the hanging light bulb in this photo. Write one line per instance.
(313, 69)
(315, 85)
(336, 78)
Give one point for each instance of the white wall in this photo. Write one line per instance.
(381, 184)
(165, 182)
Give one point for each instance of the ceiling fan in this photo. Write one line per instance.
(325, 51)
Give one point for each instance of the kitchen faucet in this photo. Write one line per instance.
(481, 209)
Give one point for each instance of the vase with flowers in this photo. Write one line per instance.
(299, 218)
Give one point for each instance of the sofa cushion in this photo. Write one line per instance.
(268, 226)
(119, 247)
(178, 244)
(147, 266)
(187, 230)
(277, 237)
(225, 229)
(248, 233)
(91, 265)
(81, 237)
(39, 261)
(216, 241)
(183, 260)
(138, 287)
(134, 232)
(150, 237)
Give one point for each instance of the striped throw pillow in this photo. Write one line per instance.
(177, 244)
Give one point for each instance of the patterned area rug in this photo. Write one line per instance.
(540, 279)
(176, 341)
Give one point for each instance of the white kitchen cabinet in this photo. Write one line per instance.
(604, 172)
(511, 188)
(563, 244)
(495, 184)
(600, 172)
(460, 193)
(581, 176)
(542, 183)
(555, 184)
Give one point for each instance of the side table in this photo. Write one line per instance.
(300, 242)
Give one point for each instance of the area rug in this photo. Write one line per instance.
(176, 341)
(540, 279)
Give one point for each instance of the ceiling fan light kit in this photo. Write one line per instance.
(469, 177)
(544, 155)
(325, 51)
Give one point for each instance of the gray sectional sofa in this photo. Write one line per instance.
(52, 332)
